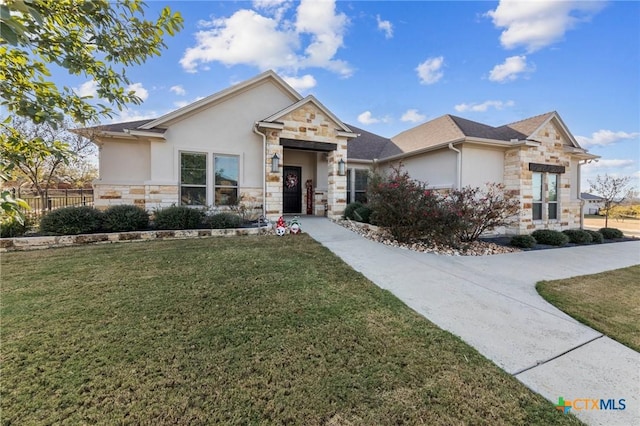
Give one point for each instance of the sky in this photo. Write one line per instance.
(387, 66)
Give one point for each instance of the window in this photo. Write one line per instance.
(193, 179)
(195, 186)
(357, 180)
(545, 195)
(226, 180)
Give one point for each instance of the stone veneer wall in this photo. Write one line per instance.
(307, 123)
(518, 178)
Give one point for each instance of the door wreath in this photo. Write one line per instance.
(291, 181)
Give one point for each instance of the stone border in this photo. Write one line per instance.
(38, 243)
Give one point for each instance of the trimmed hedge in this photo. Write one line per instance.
(350, 210)
(596, 237)
(223, 221)
(179, 217)
(125, 218)
(12, 228)
(523, 241)
(550, 237)
(71, 221)
(578, 236)
(611, 233)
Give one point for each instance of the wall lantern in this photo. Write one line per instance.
(341, 165)
(275, 163)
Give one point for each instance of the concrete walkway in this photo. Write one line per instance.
(491, 303)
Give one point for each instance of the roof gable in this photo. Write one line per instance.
(266, 76)
(440, 130)
(303, 102)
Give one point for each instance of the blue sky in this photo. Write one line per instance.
(386, 66)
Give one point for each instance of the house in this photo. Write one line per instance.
(263, 144)
(592, 203)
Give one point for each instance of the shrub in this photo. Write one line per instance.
(611, 233)
(523, 241)
(71, 221)
(550, 237)
(125, 218)
(363, 214)
(350, 210)
(223, 221)
(578, 236)
(596, 237)
(482, 210)
(407, 208)
(13, 228)
(178, 217)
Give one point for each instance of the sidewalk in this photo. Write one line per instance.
(491, 303)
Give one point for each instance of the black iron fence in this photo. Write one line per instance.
(54, 199)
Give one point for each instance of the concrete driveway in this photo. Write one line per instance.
(491, 303)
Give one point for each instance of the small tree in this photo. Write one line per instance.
(612, 190)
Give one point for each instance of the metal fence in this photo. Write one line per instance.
(55, 199)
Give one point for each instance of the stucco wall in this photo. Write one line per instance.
(481, 165)
(124, 161)
(436, 168)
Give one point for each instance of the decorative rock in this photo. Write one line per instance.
(380, 235)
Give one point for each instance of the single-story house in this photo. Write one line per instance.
(592, 203)
(264, 145)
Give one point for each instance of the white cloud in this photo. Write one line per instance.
(88, 88)
(483, 106)
(367, 118)
(180, 104)
(139, 90)
(537, 24)
(412, 116)
(605, 137)
(249, 38)
(301, 84)
(130, 115)
(509, 70)
(178, 90)
(429, 71)
(385, 26)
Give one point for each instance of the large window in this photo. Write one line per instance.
(193, 179)
(198, 189)
(545, 196)
(357, 180)
(226, 182)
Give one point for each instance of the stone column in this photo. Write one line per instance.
(273, 201)
(337, 191)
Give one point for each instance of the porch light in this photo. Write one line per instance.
(275, 163)
(341, 165)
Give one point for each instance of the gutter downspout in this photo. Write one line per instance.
(264, 169)
(459, 167)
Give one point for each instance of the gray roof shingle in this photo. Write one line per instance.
(369, 146)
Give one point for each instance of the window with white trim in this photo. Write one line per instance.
(193, 179)
(198, 188)
(357, 181)
(545, 196)
(226, 180)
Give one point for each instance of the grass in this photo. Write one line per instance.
(608, 302)
(249, 330)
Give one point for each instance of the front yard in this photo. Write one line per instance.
(241, 330)
(608, 302)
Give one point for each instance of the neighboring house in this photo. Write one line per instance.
(592, 203)
(263, 144)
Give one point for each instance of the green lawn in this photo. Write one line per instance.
(608, 302)
(245, 330)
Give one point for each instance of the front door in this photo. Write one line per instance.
(292, 190)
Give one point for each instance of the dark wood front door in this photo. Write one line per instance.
(292, 190)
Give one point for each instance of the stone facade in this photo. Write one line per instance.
(518, 178)
(146, 196)
(307, 123)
